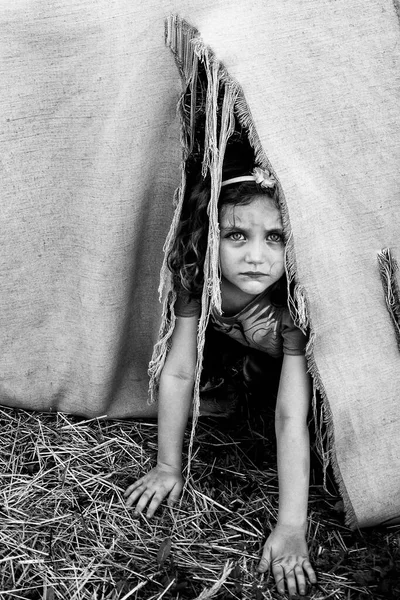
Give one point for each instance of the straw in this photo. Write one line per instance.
(67, 533)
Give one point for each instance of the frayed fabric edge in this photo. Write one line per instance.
(188, 48)
(387, 271)
(322, 414)
(298, 307)
(323, 418)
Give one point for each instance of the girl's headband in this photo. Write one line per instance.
(264, 178)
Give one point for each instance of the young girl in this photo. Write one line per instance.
(253, 281)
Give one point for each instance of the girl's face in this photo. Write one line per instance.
(251, 247)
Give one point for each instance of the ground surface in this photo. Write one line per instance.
(66, 533)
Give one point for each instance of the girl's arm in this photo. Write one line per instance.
(286, 550)
(175, 400)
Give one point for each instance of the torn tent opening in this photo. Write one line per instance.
(215, 120)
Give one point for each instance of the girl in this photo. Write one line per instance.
(253, 282)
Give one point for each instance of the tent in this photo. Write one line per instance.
(90, 159)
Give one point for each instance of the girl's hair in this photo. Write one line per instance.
(186, 258)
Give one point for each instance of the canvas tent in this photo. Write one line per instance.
(90, 159)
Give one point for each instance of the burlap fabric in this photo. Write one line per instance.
(90, 157)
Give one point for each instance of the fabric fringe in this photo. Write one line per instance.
(189, 50)
(178, 38)
(387, 270)
(162, 346)
(322, 415)
(325, 434)
(298, 307)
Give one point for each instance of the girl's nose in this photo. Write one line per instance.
(256, 252)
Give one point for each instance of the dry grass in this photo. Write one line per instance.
(66, 533)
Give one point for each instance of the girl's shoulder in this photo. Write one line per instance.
(185, 305)
(294, 340)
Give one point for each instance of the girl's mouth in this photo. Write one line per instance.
(254, 274)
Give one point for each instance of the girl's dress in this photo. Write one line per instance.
(259, 325)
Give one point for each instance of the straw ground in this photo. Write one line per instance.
(67, 534)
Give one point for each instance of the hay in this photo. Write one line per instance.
(67, 534)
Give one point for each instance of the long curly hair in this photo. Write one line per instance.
(186, 258)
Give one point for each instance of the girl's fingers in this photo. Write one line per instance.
(301, 580)
(172, 500)
(294, 577)
(134, 496)
(290, 582)
(279, 577)
(133, 487)
(310, 571)
(174, 494)
(144, 500)
(264, 564)
(154, 504)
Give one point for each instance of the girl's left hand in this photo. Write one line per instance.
(286, 553)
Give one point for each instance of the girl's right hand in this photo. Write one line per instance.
(150, 490)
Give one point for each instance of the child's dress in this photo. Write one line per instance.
(259, 325)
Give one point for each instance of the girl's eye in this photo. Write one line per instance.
(236, 236)
(274, 237)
